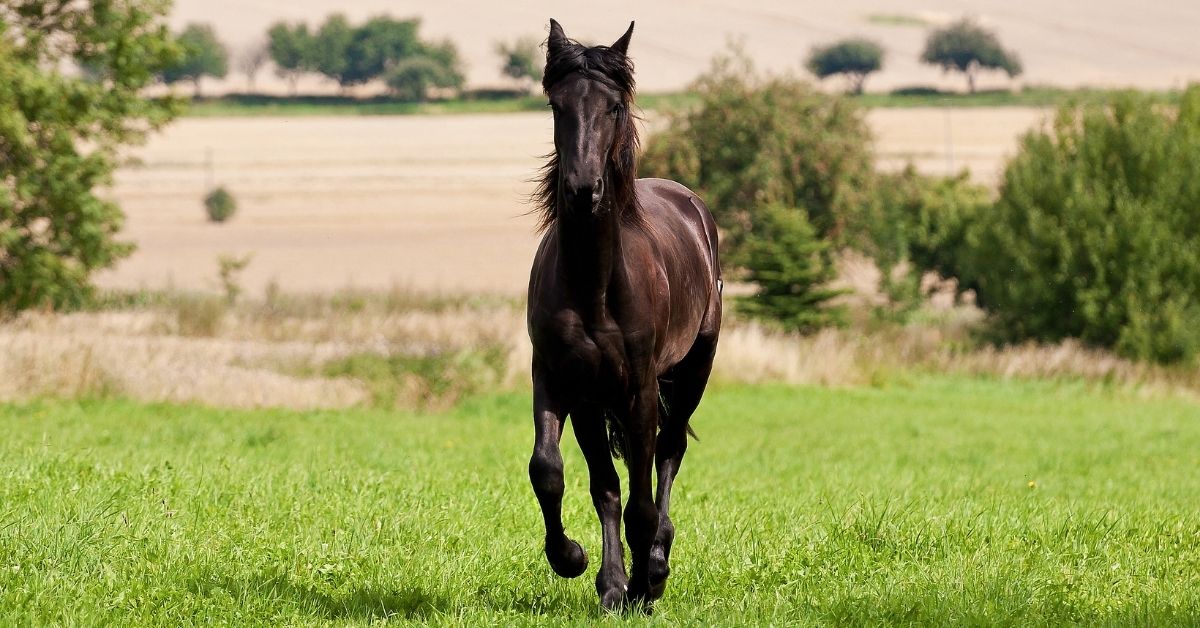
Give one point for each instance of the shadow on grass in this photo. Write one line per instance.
(357, 603)
(372, 601)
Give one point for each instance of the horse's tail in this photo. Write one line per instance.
(616, 432)
(616, 435)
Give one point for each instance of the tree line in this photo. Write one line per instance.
(962, 46)
(381, 50)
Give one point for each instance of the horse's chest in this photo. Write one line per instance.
(588, 355)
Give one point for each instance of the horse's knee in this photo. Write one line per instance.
(546, 473)
(641, 522)
(606, 501)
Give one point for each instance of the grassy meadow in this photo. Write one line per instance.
(929, 499)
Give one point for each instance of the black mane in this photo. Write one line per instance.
(614, 69)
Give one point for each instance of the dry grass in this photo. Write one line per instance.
(320, 351)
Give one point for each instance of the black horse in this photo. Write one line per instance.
(624, 314)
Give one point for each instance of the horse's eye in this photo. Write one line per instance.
(616, 110)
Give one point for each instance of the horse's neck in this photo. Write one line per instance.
(590, 249)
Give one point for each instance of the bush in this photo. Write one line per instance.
(411, 79)
(521, 60)
(220, 205)
(784, 168)
(753, 142)
(790, 264)
(1095, 234)
(917, 221)
(855, 58)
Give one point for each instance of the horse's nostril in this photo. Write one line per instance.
(597, 190)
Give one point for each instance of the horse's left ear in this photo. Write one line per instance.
(622, 44)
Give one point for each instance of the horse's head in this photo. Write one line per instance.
(590, 90)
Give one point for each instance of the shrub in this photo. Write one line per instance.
(521, 60)
(753, 142)
(1095, 234)
(220, 205)
(856, 58)
(967, 47)
(412, 78)
(784, 168)
(790, 264)
(229, 273)
(917, 221)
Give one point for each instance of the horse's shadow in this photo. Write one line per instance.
(370, 602)
(367, 602)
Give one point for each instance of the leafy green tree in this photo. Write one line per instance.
(790, 264)
(376, 45)
(330, 53)
(60, 135)
(967, 47)
(203, 55)
(412, 78)
(1096, 234)
(856, 58)
(290, 47)
(521, 60)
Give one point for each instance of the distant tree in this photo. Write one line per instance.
(290, 47)
(967, 47)
(251, 60)
(521, 60)
(61, 136)
(856, 58)
(411, 79)
(203, 55)
(331, 50)
(378, 44)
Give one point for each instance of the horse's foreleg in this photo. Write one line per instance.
(641, 515)
(611, 581)
(566, 557)
(689, 379)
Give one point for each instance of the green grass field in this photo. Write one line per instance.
(935, 500)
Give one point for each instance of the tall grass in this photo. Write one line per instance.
(406, 348)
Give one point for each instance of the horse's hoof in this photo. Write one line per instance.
(659, 570)
(570, 561)
(640, 599)
(613, 600)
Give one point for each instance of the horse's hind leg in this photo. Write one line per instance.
(566, 557)
(611, 581)
(682, 396)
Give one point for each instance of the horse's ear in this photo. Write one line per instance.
(622, 44)
(557, 39)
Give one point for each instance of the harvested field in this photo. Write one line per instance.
(435, 203)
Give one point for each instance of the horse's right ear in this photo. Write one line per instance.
(557, 39)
